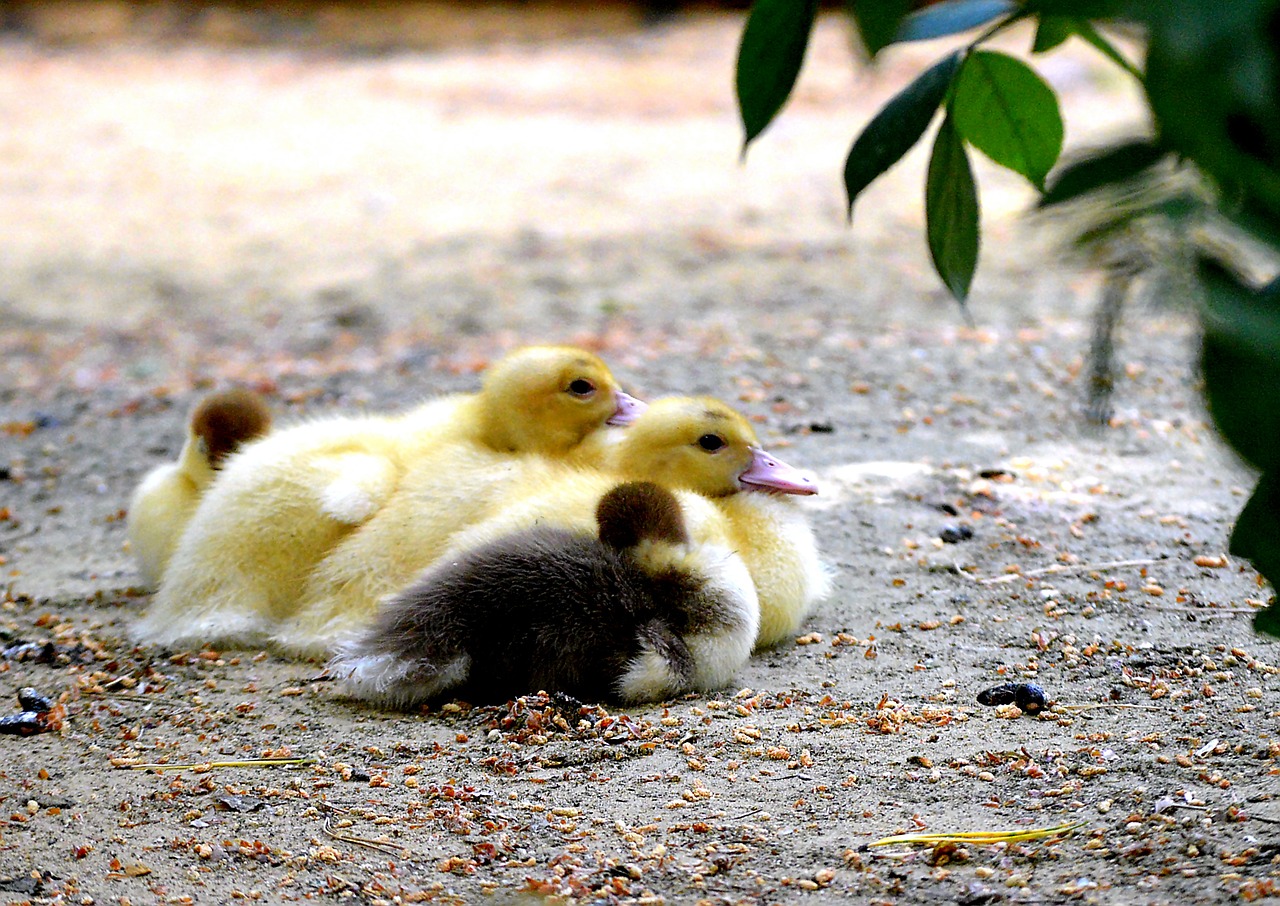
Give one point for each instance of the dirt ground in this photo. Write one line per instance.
(347, 231)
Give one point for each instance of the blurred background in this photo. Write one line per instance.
(199, 191)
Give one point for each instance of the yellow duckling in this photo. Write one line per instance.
(720, 457)
(168, 495)
(282, 503)
(628, 614)
(735, 498)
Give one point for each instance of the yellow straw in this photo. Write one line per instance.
(983, 837)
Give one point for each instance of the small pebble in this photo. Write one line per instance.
(24, 723)
(954, 534)
(1029, 697)
(997, 695)
(31, 700)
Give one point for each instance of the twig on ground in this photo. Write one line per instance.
(243, 763)
(386, 846)
(1065, 568)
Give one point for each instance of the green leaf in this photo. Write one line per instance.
(1007, 112)
(897, 127)
(951, 211)
(1267, 621)
(1084, 28)
(769, 58)
(1055, 28)
(1213, 80)
(953, 17)
(1052, 31)
(1256, 537)
(1084, 9)
(878, 21)
(1240, 360)
(1108, 167)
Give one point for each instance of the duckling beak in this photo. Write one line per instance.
(768, 474)
(629, 409)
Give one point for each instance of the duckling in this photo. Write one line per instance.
(167, 496)
(634, 613)
(733, 494)
(282, 503)
(752, 492)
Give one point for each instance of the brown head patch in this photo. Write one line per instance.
(638, 510)
(227, 419)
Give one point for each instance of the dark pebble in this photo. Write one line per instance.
(39, 652)
(31, 700)
(997, 695)
(822, 428)
(1029, 697)
(24, 723)
(567, 705)
(954, 534)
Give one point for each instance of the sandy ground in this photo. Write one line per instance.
(349, 232)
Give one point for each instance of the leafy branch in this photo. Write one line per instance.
(1211, 76)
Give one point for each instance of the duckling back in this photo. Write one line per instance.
(735, 498)
(165, 500)
(276, 508)
(610, 616)
(286, 503)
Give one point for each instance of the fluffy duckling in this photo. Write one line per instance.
(167, 496)
(633, 613)
(551, 400)
(282, 503)
(735, 498)
(752, 493)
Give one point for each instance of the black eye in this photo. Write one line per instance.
(582, 387)
(711, 442)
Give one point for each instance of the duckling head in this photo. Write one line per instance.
(702, 445)
(637, 511)
(223, 421)
(548, 399)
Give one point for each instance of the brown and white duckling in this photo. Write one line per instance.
(634, 613)
(163, 503)
(281, 504)
(734, 495)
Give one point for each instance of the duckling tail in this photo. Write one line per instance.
(663, 667)
(224, 421)
(640, 511)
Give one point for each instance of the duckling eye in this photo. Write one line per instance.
(581, 387)
(711, 442)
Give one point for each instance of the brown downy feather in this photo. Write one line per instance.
(544, 608)
(225, 420)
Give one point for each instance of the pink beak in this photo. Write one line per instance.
(768, 474)
(629, 409)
